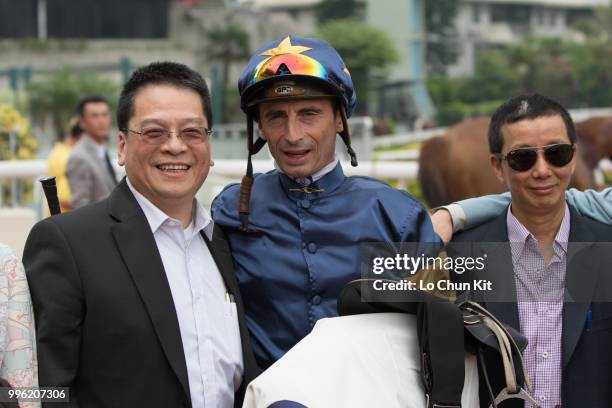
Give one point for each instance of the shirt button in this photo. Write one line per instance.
(542, 398)
(312, 247)
(316, 300)
(545, 354)
(305, 204)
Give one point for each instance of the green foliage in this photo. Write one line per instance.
(13, 121)
(335, 10)
(575, 74)
(366, 51)
(441, 34)
(598, 27)
(58, 96)
(414, 188)
(227, 45)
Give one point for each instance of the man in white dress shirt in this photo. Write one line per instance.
(135, 298)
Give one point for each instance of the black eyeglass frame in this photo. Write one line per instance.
(533, 158)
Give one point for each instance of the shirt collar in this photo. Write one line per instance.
(100, 148)
(305, 181)
(156, 217)
(325, 184)
(518, 233)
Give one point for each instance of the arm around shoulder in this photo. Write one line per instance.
(593, 204)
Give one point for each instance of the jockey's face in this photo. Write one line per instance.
(301, 133)
(541, 188)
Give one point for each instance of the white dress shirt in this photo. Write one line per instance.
(207, 317)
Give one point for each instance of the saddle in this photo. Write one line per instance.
(446, 331)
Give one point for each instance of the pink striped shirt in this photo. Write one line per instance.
(539, 289)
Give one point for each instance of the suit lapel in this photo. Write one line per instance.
(140, 254)
(220, 252)
(580, 283)
(501, 301)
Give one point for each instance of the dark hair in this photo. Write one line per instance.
(523, 107)
(161, 73)
(88, 99)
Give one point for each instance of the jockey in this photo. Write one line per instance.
(295, 232)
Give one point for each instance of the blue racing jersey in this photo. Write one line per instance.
(306, 247)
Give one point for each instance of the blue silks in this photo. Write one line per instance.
(306, 247)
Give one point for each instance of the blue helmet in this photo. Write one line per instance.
(300, 60)
(288, 68)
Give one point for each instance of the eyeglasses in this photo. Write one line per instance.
(190, 136)
(295, 64)
(524, 158)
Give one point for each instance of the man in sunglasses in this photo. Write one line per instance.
(296, 231)
(549, 280)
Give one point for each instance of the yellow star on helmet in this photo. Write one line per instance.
(285, 47)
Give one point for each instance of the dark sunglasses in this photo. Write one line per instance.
(524, 158)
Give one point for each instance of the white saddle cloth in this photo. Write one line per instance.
(368, 360)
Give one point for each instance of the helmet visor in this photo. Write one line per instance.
(288, 64)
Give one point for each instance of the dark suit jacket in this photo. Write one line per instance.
(105, 319)
(586, 346)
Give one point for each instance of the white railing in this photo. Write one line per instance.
(406, 138)
(223, 172)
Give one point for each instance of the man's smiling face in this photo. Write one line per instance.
(171, 171)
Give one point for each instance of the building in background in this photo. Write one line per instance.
(483, 24)
(111, 37)
(404, 97)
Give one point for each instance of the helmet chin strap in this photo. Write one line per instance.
(346, 137)
(246, 184)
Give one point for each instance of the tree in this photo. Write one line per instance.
(442, 48)
(336, 10)
(58, 96)
(575, 74)
(16, 143)
(599, 26)
(366, 51)
(11, 121)
(227, 44)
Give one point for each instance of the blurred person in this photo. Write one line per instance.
(135, 298)
(551, 281)
(58, 160)
(90, 173)
(296, 240)
(18, 363)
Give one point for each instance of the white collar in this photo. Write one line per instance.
(156, 217)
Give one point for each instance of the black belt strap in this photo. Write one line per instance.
(441, 341)
(440, 332)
